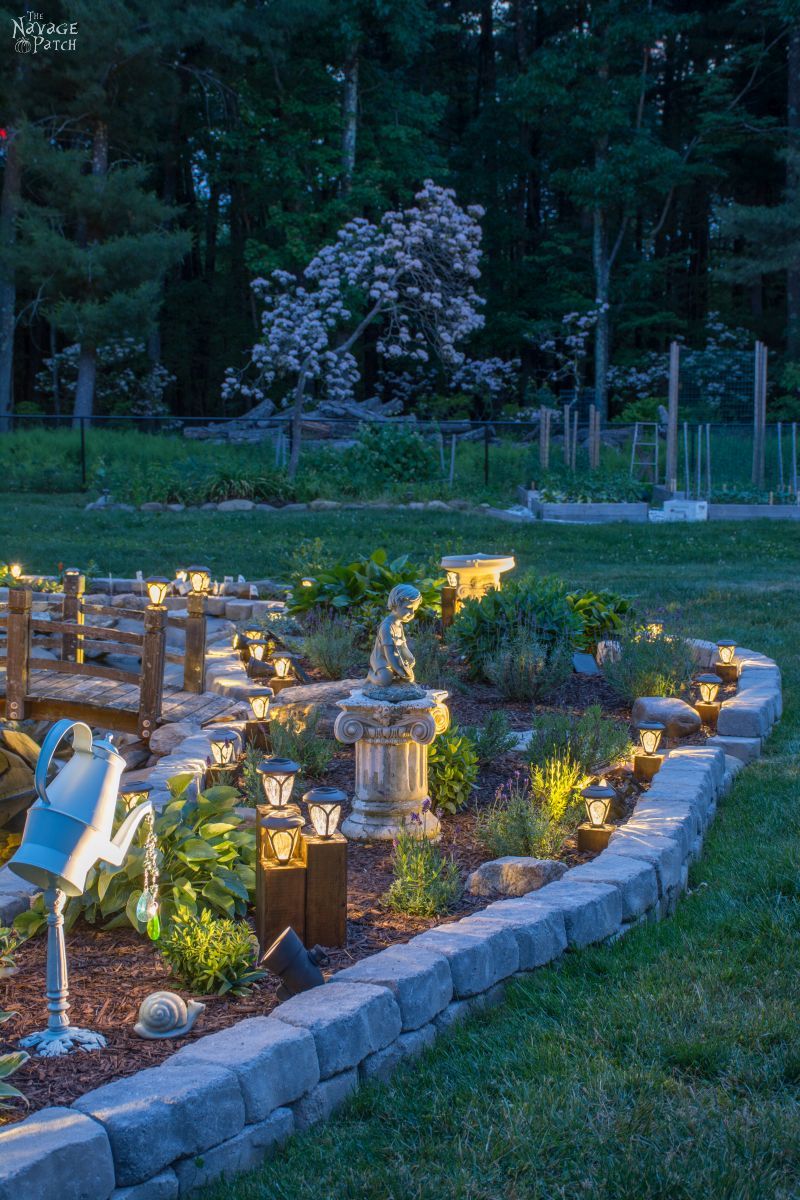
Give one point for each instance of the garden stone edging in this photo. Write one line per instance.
(226, 1100)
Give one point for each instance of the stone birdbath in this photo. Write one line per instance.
(476, 574)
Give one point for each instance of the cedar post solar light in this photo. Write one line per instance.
(594, 834)
(225, 747)
(15, 570)
(449, 600)
(647, 763)
(256, 732)
(157, 589)
(297, 968)
(280, 875)
(283, 666)
(325, 854)
(708, 706)
(726, 665)
(199, 579)
(277, 779)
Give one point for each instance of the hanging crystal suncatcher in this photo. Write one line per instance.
(147, 904)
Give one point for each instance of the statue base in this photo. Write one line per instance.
(53, 1043)
(391, 734)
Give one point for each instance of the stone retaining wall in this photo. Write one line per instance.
(224, 1101)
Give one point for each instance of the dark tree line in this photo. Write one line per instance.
(640, 161)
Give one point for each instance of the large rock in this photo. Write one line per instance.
(56, 1154)
(167, 738)
(678, 718)
(513, 876)
(300, 700)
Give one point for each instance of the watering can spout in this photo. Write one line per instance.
(120, 844)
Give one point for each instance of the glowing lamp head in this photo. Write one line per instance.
(282, 837)
(307, 582)
(224, 747)
(709, 687)
(598, 798)
(132, 797)
(181, 575)
(253, 633)
(199, 578)
(157, 590)
(16, 570)
(452, 579)
(259, 650)
(259, 702)
(325, 809)
(650, 735)
(283, 664)
(726, 651)
(277, 778)
(655, 629)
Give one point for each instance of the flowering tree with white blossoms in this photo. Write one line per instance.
(490, 379)
(567, 347)
(411, 274)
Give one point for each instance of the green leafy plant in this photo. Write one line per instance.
(9, 1063)
(537, 605)
(511, 824)
(452, 770)
(361, 587)
(492, 740)
(9, 941)
(205, 860)
(602, 615)
(556, 784)
(592, 740)
(299, 738)
(388, 452)
(211, 954)
(331, 646)
(650, 666)
(426, 882)
(523, 668)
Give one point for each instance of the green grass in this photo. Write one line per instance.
(664, 1066)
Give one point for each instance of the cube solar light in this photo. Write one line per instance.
(199, 578)
(277, 779)
(224, 748)
(282, 837)
(157, 589)
(325, 809)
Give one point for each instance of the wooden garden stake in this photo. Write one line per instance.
(18, 652)
(574, 446)
(452, 459)
(794, 457)
(686, 459)
(194, 657)
(780, 455)
(72, 611)
(708, 460)
(326, 889)
(449, 595)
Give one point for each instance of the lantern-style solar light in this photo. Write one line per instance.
(157, 589)
(648, 762)
(199, 579)
(15, 570)
(708, 706)
(277, 779)
(255, 731)
(224, 748)
(283, 666)
(595, 833)
(135, 795)
(726, 666)
(181, 575)
(259, 700)
(282, 837)
(253, 633)
(259, 651)
(325, 809)
(452, 579)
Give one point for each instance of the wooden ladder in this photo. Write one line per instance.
(644, 451)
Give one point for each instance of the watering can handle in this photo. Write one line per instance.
(81, 740)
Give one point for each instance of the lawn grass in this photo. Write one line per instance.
(666, 1065)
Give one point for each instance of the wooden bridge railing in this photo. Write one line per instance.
(71, 636)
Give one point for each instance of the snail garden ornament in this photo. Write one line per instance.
(67, 831)
(166, 1015)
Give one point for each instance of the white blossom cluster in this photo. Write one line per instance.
(568, 346)
(491, 377)
(127, 380)
(412, 275)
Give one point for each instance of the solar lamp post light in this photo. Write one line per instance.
(277, 779)
(726, 665)
(284, 672)
(647, 761)
(226, 746)
(280, 874)
(595, 832)
(199, 580)
(256, 732)
(708, 705)
(325, 853)
(157, 589)
(257, 664)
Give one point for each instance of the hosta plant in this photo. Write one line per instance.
(211, 955)
(452, 770)
(360, 588)
(9, 1063)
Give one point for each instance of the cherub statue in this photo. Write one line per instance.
(391, 661)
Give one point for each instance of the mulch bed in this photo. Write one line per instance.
(112, 972)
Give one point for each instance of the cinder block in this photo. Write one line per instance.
(55, 1154)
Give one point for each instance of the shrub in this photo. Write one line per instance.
(299, 738)
(511, 824)
(331, 647)
(397, 453)
(650, 666)
(9, 1063)
(211, 954)
(205, 861)
(539, 606)
(362, 587)
(524, 668)
(556, 784)
(426, 882)
(494, 739)
(452, 770)
(601, 614)
(593, 741)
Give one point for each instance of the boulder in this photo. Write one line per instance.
(167, 738)
(678, 718)
(514, 876)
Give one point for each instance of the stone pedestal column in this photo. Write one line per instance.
(391, 738)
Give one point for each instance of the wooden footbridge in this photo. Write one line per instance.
(69, 685)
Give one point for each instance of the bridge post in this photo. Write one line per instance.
(194, 657)
(19, 652)
(72, 610)
(152, 685)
